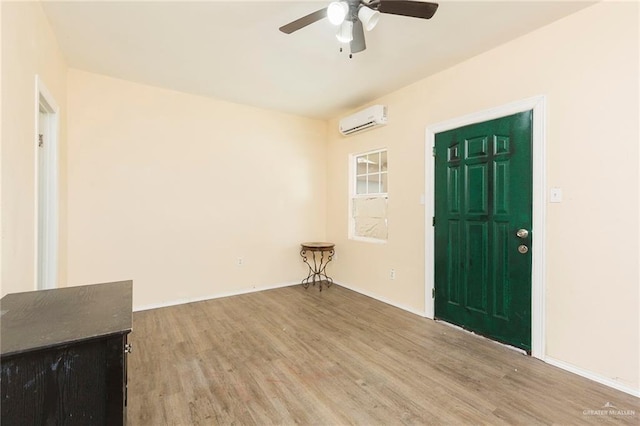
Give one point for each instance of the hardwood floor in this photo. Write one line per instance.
(296, 356)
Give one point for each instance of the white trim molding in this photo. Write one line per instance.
(593, 376)
(46, 261)
(536, 104)
(381, 299)
(252, 289)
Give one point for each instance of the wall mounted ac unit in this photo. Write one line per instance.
(368, 118)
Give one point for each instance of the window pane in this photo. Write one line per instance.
(373, 160)
(383, 161)
(371, 228)
(383, 183)
(370, 207)
(374, 184)
(370, 217)
(361, 163)
(361, 185)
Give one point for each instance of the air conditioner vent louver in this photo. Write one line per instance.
(368, 118)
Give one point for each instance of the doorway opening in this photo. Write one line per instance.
(537, 106)
(46, 187)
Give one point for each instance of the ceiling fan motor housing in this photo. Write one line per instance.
(354, 5)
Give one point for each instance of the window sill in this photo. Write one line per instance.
(368, 240)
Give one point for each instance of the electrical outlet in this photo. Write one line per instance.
(240, 261)
(392, 274)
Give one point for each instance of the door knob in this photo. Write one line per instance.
(522, 233)
(523, 249)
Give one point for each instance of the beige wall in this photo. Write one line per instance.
(169, 189)
(587, 66)
(28, 48)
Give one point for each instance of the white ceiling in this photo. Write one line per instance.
(233, 50)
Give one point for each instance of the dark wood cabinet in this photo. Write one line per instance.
(64, 355)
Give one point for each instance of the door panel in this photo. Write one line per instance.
(483, 195)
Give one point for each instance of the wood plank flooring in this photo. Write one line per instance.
(296, 356)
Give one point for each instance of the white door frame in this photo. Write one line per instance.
(46, 231)
(538, 105)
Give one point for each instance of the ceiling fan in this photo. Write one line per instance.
(352, 17)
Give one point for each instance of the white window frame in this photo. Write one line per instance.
(353, 173)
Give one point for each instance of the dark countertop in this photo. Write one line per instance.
(46, 318)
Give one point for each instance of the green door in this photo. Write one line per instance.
(483, 197)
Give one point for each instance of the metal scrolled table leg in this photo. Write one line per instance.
(317, 271)
(305, 282)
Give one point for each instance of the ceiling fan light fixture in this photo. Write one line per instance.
(368, 17)
(337, 12)
(345, 32)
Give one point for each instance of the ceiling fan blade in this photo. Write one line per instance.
(357, 43)
(414, 9)
(304, 21)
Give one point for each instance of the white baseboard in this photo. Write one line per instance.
(212, 296)
(592, 376)
(382, 299)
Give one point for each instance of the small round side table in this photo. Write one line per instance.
(317, 256)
